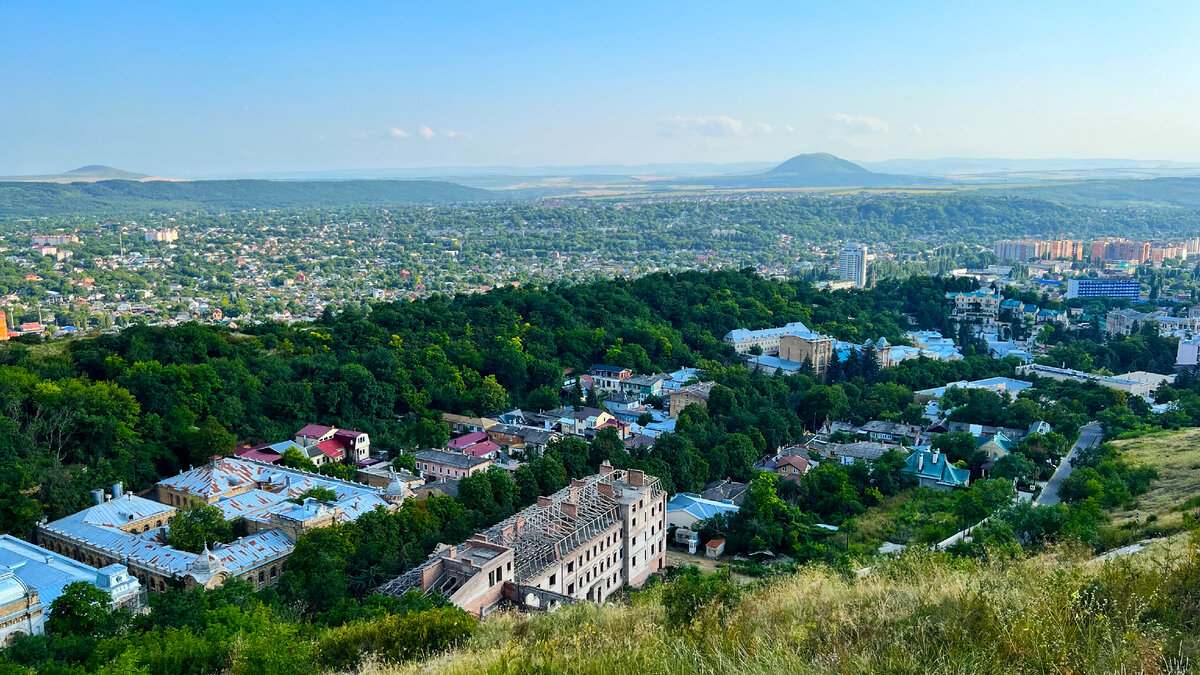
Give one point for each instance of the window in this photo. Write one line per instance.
(261, 576)
(552, 579)
(570, 567)
(571, 589)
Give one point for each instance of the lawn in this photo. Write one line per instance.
(1176, 457)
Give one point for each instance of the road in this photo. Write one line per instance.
(1089, 434)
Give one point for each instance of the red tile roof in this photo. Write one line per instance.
(466, 440)
(331, 448)
(314, 431)
(481, 449)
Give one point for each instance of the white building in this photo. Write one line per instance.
(32, 577)
(766, 339)
(1186, 354)
(852, 264)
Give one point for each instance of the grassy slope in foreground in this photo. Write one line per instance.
(921, 613)
(1176, 457)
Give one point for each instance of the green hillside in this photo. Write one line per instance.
(122, 196)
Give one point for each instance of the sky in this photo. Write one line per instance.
(194, 89)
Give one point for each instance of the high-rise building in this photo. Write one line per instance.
(1119, 248)
(1024, 250)
(852, 264)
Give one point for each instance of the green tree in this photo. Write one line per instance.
(81, 610)
(196, 526)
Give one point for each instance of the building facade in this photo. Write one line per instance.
(584, 542)
(816, 349)
(1129, 289)
(767, 339)
(852, 265)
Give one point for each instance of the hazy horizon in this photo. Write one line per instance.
(226, 89)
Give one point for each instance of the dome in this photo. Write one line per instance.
(12, 589)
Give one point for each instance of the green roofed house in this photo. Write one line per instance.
(996, 446)
(932, 469)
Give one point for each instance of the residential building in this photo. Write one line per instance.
(852, 265)
(1024, 250)
(1129, 289)
(996, 446)
(437, 464)
(167, 235)
(688, 508)
(608, 378)
(981, 306)
(584, 542)
(891, 432)
(463, 424)
(933, 469)
(767, 339)
(725, 491)
(697, 393)
(1120, 249)
(1160, 254)
(333, 444)
(641, 386)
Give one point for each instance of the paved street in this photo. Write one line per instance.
(1089, 434)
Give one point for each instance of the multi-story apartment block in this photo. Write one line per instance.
(1121, 249)
(1024, 250)
(584, 542)
(167, 235)
(852, 265)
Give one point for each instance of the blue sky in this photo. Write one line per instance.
(221, 87)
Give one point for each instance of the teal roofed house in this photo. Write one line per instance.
(933, 469)
(996, 446)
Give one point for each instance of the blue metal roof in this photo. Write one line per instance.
(699, 507)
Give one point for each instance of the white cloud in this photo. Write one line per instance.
(860, 123)
(710, 126)
(426, 132)
(789, 128)
(713, 126)
(916, 130)
(397, 133)
(449, 133)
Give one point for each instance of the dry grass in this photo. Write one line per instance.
(921, 613)
(1176, 457)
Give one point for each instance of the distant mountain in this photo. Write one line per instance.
(819, 169)
(816, 164)
(124, 196)
(91, 172)
(102, 171)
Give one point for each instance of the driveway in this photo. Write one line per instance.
(1089, 434)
